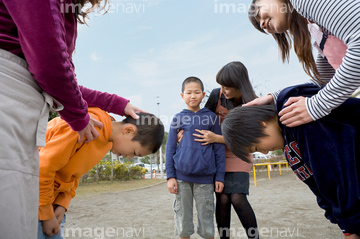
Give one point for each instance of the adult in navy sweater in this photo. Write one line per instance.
(192, 168)
(324, 154)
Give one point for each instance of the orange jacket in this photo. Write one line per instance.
(63, 161)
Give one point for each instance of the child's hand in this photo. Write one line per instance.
(59, 213)
(51, 227)
(206, 137)
(172, 186)
(180, 135)
(219, 186)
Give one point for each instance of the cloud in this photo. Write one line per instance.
(152, 3)
(179, 103)
(201, 55)
(144, 28)
(135, 100)
(94, 56)
(156, 65)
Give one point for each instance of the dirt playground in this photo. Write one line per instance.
(284, 207)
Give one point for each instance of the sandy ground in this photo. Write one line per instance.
(284, 207)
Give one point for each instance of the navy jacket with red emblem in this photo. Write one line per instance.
(325, 154)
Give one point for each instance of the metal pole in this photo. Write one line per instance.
(112, 167)
(160, 150)
(254, 174)
(151, 171)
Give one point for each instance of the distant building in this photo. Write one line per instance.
(258, 155)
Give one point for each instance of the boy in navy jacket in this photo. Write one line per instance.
(324, 154)
(192, 168)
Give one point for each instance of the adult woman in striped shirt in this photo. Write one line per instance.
(339, 23)
(338, 42)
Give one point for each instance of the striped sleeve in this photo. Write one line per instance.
(342, 19)
(324, 68)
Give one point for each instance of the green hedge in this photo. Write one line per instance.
(121, 172)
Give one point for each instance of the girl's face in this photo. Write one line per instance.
(231, 92)
(272, 15)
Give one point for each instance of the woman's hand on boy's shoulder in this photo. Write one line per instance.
(180, 135)
(295, 112)
(264, 100)
(131, 110)
(206, 137)
(89, 131)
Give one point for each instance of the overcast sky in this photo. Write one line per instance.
(143, 50)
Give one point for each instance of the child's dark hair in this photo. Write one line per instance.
(235, 74)
(150, 130)
(243, 127)
(192, 79)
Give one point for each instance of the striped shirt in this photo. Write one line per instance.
(341, 18)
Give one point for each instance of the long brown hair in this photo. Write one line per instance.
(298, 33)
(81, 14)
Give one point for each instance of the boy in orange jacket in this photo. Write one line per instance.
(63, 161)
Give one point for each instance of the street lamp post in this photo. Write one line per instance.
(160, 152)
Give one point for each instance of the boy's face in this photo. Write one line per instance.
(193, 95)
(273, 141)
(124, 146)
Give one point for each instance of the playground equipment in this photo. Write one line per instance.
(269, 168)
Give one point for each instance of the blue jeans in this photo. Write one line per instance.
(42, 235)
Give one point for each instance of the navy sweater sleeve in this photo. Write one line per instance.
(171, 145)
